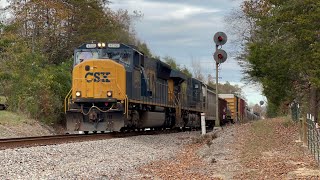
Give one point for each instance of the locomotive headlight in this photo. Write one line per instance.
(103, 44)
(109, 93)
(78, 93)
(99, 44)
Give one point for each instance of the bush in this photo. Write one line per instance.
(38, 90)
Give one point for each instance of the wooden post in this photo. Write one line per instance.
(300, 130)
(203, 123)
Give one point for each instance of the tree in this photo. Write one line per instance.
(281, 50)
(36, 48)
(174, 65)
(197, 70)
(225, 88)
(171, 62)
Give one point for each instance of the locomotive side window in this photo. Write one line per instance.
(84, 55)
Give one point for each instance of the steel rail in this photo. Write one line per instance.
(10, 143)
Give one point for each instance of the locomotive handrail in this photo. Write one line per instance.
(126, 106)
(66, 100)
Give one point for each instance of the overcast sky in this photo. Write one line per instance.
(183, 29)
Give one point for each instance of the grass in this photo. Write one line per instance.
(288, 122)
(2, 99)
(10, 118)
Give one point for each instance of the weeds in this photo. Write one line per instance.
(205, 139)
(288, 123)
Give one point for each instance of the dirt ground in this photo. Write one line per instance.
(264, 149)
(18, 125)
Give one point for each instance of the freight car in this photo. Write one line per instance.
(236, 105)
(116, 87)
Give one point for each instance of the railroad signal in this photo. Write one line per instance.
(220, 38)
(220, 56)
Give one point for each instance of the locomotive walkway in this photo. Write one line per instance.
(265, 149)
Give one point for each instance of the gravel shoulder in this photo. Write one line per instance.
(265, 149)
(104, 159)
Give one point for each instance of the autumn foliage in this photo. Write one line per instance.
(37, 39)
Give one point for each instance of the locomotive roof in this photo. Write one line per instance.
(94, 45)
(230, 96)
(178, 74)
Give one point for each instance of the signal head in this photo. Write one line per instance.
(220, 56)
(220, 38)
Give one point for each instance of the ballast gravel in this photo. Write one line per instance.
(103, 159)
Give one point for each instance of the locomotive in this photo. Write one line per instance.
(116, 87)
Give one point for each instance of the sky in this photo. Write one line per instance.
(184, 30)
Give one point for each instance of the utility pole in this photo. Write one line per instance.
(220, 56)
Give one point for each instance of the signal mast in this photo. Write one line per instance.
(220, 56)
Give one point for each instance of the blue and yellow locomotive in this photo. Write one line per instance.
(115, 87)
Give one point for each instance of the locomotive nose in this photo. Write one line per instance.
(99, 79)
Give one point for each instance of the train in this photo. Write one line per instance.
(239, 110)
(115, 87)
(237, 106)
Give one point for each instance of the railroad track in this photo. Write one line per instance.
(11, 143)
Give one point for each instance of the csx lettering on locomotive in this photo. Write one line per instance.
(97, 77)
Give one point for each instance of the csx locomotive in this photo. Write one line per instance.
(116, 87)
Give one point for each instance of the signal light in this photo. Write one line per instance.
(220, 38)
(220, 56)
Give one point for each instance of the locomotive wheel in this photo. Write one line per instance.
(86, 132)
(123, 129)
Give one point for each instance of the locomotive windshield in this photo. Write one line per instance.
(120, 53)
(121, 56)
(81, 56)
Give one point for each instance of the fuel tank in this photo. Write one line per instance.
(152, 119)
